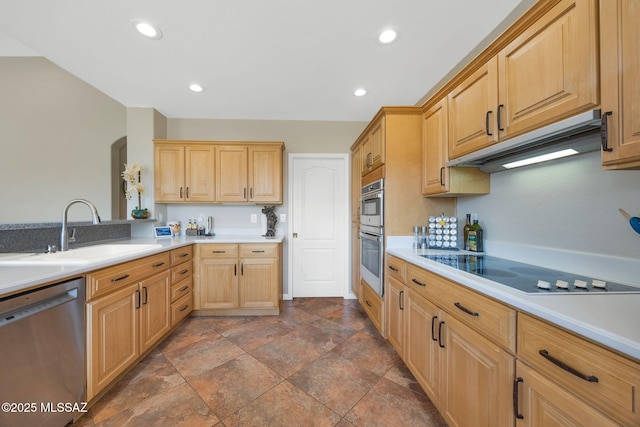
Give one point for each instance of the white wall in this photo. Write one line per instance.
(56, 133)
(569, 204)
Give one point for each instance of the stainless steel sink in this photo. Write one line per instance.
(79, 256)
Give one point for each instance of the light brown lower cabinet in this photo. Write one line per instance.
(130, 308)
(475, 378)
(539, 402)
(123, 325)
(460, 347)
(238, 279)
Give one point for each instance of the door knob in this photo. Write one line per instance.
(295, 235)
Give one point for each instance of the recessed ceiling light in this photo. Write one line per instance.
(387, 35)
(147, 29)
(195, 87)
(360, 92)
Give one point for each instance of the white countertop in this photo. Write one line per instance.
(612, 320)
(16, 278)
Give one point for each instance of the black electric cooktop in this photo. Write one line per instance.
(529, 278)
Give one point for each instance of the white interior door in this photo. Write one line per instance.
(319, 225)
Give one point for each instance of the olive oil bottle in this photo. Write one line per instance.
(465, 236)
(475, 236)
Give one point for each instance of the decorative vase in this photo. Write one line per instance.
(140, 213)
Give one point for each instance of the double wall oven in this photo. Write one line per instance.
(372, 235)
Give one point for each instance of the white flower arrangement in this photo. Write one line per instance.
(131, 175)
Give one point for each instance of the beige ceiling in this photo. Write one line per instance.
(257, 59)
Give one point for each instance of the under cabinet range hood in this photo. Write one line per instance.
(579, 133)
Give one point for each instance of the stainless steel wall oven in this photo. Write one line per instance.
(372, 235)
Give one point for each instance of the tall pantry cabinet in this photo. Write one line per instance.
(390, 147)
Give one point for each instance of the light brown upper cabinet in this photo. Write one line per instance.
(620, 80)
(437, 179)
(184, 173)
(249, 173)
(373, 147)
(217, 171)
(546, 71)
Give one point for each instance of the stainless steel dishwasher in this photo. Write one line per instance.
(42, 356)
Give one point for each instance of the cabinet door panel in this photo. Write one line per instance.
(155, 311)
(422, 353)
(477, 376)
(472, 105)
(551, 70)
(112, 342)
(435, 140)
(200, 173)
(258, 282)
(620, 62)
(219, 283)
(231, 173)
(265, 174)
(169, 173)
(395, 306)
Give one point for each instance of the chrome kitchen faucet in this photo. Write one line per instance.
(64, 235)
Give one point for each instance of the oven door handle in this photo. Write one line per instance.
(368, 236)
(371, 196)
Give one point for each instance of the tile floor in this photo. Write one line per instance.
(320, 363)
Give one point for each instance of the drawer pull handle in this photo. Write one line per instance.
(184, 288)
(119, 278)
(562, 365)
(184, 308)
(440, 335)
(218, 252)
(368, 303)
(184, 254)
(160, 264)
(433, 324)
(466, 310)
(516, 410)
(184, 271)
(418, 283)
(258, 252)
(392, 268)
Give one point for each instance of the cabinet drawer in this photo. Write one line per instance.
(180, 289)
(180, 255)
(181, 308)
(219, 250)
(492, 319)
(372, 304)
(259, 250)
(396, 268)
(181, 272)
(599, 376)
(108, 279)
